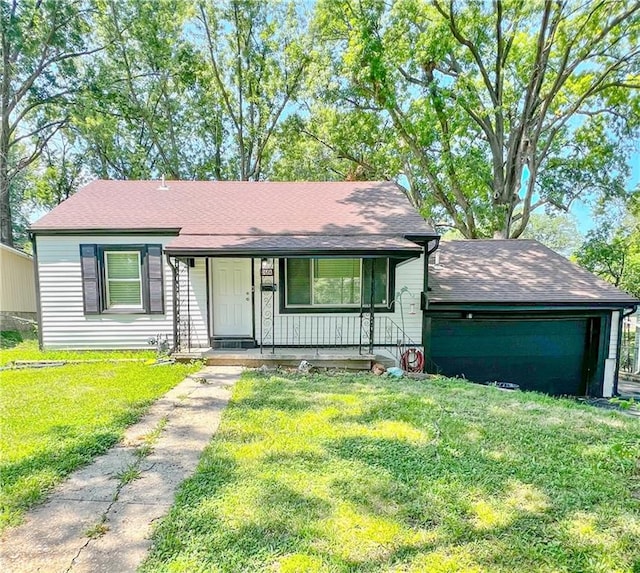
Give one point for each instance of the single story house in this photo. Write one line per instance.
(316, 265)
(17, 290)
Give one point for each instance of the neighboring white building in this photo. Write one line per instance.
(17, 289)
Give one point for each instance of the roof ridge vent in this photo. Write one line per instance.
(163, 185)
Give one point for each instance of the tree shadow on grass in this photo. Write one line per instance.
(289, 393)
(290, 403)
(448, 502)
(27, 481)
(472, 500)
(238, 534)
(9, 339)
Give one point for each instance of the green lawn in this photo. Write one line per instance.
(53, 420)
(28, 350)
(357, 473)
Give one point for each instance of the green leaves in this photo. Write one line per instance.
(476, 91)
(192, 91)
(450, 99)
(612, 251)
(41, 45)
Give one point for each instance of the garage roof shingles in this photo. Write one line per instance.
(513, 271)
(240, 208)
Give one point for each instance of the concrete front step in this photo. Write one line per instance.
(252, 358)
(358, 362)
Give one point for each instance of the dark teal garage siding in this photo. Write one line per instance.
(543, 355)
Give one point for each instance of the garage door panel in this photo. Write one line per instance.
(546, 356)
(527, 372)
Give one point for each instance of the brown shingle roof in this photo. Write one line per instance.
(514, 271)
(307, 244)
(240, 208)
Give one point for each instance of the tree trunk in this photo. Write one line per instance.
(6, 226)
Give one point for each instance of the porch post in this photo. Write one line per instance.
(176, 307)
(188, 265)
(267, 307)
(372, 323)
(361, 325)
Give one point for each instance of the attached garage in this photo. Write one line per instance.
(547, 355)
(515, 311)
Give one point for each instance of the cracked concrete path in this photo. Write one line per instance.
(54, 536)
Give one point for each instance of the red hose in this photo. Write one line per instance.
(412, 360)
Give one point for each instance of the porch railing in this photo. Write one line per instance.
(313, 331)
(389, 336)
(318, 332)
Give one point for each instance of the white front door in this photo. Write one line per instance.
(231, 283)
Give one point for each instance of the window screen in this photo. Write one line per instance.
(336, 282)
(123, 278)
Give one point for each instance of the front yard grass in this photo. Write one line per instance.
(28, 350)
(357, 473)
(54, 420)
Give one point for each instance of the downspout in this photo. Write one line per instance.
(623, 315)
(424, 301)
(174, 275)
(361, 320)
(34, 252)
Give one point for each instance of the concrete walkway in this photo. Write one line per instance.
(100, 518)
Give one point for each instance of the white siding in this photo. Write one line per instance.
(64, 324)
(408, 274)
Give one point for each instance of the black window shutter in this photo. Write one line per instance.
(90, 278)
(154, 279)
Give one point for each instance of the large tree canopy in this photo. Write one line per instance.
(42, 43)
(134, 117)
(258, 55)
(478, 91)
(486, 112)
(143, 88)
(192, 90)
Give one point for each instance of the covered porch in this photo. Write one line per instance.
(234, 303)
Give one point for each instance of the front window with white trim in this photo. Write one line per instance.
(123, 279)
